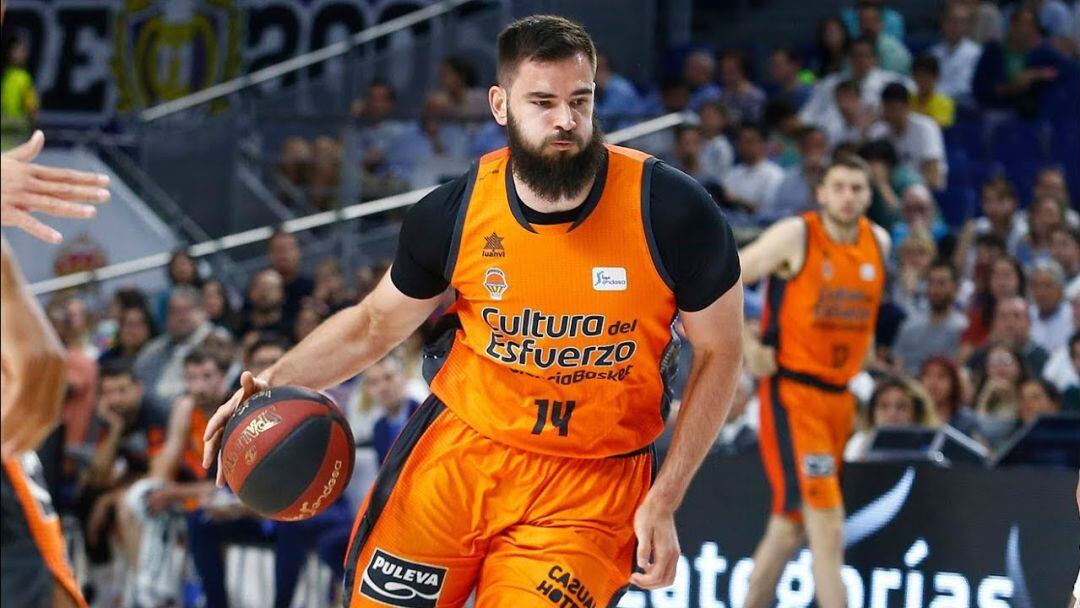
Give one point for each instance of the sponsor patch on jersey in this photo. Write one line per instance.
(867, 271)
(400, 582)
(493, 247)
(609, 279)
(819, 465)
(495, 283)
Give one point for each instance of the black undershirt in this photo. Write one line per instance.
(695, 243)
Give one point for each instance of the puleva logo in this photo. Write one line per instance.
(609, 279)
(400, 582)
(495, 283)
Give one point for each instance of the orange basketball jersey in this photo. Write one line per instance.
(564, 328)
(821, 320)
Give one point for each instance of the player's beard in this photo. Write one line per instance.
(557, 176)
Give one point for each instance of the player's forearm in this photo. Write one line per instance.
(706, 402)
(341, 347)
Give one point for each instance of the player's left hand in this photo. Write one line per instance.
(657, 545)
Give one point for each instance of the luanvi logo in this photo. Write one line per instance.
(400, 582)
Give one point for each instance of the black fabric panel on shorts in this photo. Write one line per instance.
(384, 484)
(25, 579)
(285, 473)
(785, 443)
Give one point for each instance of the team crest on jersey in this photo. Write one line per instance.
(495, 283)
(493, 247)
(867, 271)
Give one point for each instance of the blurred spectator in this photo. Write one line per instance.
(699, 75)
(755, 179)
(848, 124)
(213, 517)
(295, 164)
(957, 54)
(919, 211)
(1065, 250)
(221, 345)
(384, 384)
(1045, 214)
(1051, 313)
(616, 102)
(891, 52)
(895, 402)
(264, 308)
(928, 98)
(1050, 181)
(832, 47)
(889, 180)
(160, 365)
(999, 217)
(325, 173)
(739, 433)
(869, 79)
(181, 270)
(997, 399)
(107, 326)
(330, 287)
(892, 21)
(374, 136)
(917, 138)
(688, 151)
(1004, 279)
(795, 193)
(1016, 74)
(784, 127)
(1068, 380)
(432, 148)
(1054, 17)
(218, 306)
(82, 376)
(743, 99)
(788, 81)
(985, 24)
(79, 324)
(933, 332)
(285, 256)
(915, 256)
(312, 313)
(945, 387)
(18, 98)
(1011, 327)
(1037, 398)
(126, 432)
(717, 154)
(136, 329)
(460, 83)
(1059, 367)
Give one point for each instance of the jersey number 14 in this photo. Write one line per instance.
(559, 413)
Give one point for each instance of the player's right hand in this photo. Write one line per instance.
(215, 428)
(760, 360)
(26, 187)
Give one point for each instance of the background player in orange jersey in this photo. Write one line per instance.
(528, 475)
(826, 275)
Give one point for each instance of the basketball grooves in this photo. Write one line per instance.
(275, 490)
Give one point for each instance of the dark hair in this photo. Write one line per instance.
(990, 239)
(176, 255)
(1048, 387)
(1018, 268)
(741, 58)
(131, 297)
(543, 38)
(199, 356)
(378, 82)
(867, 40)
(686, 128)
(1069, 231)
(756, 127)
(880, 150)
(896, 92)
(791, 54)
(144, 308)
(928, 63)
(848, 85)
(280, 231)
(117, 368)
(908, 387)
(806, 131)
(848, 161)
(267, 339)
(463, 69)
(1073, 339)
(955, 395)
(777, 111)
(227, 311)
(947, 265)
(828, 59)
(1001, 186)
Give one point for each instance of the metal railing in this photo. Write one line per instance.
(316, 220)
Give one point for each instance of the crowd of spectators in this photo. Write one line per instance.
(978, 329)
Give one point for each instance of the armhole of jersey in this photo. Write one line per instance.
(806, 249)
(459, 224)
(877, 244)
(646, 222)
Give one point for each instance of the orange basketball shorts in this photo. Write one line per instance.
(452, 511)
(804, 429)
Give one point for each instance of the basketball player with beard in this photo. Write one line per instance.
(528, 476)
(826, 274)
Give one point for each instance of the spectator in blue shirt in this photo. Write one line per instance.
(617, 101)
(892, 21)
(699, 73)
(384, 384)
(787, 79)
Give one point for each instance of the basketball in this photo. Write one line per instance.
(288, 453)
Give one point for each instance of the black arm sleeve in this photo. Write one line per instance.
(424, 242)
(695, 242)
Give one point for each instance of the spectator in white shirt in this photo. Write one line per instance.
(1051, 314)
(848, 124)
(869, 79)
(917, 138)
(956, 54)
(754, 180)
(892, 54)
(795, 193)
(718, 155)
(1065, 250)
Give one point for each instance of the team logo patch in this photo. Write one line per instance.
(867, 271)
(819, 465)
(399, 582)
(609, 279)
(493, 247)
(495, 283)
